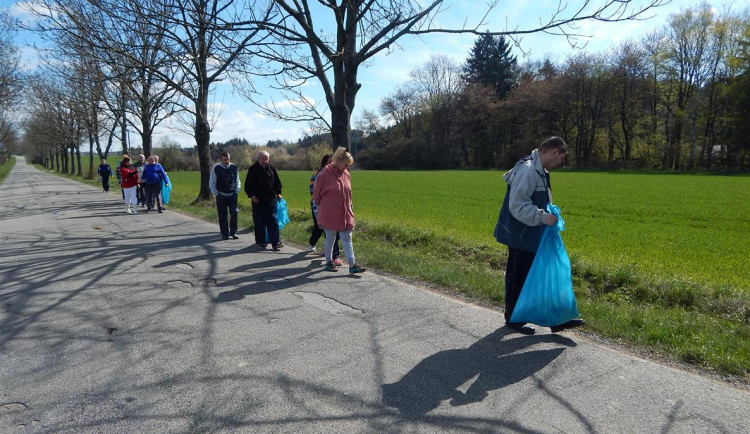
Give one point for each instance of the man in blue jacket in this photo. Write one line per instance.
(522, 219)
(153, 177)
(224, 183)
(105, 172)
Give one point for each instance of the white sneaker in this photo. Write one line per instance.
(129, 211)
(311, 249)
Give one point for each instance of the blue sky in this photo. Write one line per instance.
(236, 117)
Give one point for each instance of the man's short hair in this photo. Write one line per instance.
(552, 143)
(262, 153)
(224, 154)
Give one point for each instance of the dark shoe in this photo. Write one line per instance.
(160, 211)
(567, 325)
(234, 237)
(261, 246)
(521, 327)
(330, 266)
(278, 246)
(224, 237)
(356, 269)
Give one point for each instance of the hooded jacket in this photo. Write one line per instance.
(520, 223)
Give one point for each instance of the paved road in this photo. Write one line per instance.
(149, 323)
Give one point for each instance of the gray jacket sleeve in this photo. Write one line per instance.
(523, 184)
(212, 181)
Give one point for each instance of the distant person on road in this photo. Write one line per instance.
(130, 185)
(316, 230)
(153, 177)
(224, 183)
(522, 219)
(105, 172)
(263, 187)
(333, 194)
(139, 165)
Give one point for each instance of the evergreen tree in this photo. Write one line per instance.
(491, 64)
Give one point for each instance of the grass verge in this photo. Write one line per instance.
(6, 168)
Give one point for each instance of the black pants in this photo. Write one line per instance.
(153, 195)
(519, 264)
(140, 194)
(224, 204)
(105, 183)
(316, 234)
(264, 218)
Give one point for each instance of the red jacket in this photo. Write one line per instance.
(333, 194)
(129, 176)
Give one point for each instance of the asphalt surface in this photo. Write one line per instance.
(150, 323)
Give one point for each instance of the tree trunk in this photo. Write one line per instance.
(202, 140)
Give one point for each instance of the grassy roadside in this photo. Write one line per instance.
(680, 320)
(6, 168)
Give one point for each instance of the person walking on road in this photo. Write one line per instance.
(130, 185)
(263, 187)
(317, 232)
(333, 194)
(224, 184)
(522, 219)
(118, 174)
(153, 177)
(139, 165)
(105, 172)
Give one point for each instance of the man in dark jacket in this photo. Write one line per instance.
(522, 219)
(263, 187)
(105, 172)
(224, 183)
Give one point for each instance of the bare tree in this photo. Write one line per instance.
(689, 33)
(402, 107)
(201, 41)
(354, 31)
(629, 97)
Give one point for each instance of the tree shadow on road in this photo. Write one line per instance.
(494, 362)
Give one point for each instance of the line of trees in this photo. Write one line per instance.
(121, 65)
(678, 99)
(11, 81)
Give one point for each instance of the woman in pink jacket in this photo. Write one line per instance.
(333, 194)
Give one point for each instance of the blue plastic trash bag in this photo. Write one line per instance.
(166, 189)
(282, 215)
(547, 297)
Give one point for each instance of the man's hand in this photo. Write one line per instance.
(550, 219)
(254, 199)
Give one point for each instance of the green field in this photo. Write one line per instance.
(660, 261)
(687, 227)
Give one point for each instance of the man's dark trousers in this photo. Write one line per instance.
(224, 204)
(105, 183)
(519, 264)
(265, 216)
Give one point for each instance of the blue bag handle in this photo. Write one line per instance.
(555, 210)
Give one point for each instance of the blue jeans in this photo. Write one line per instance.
(224, 204)
(264, 218)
